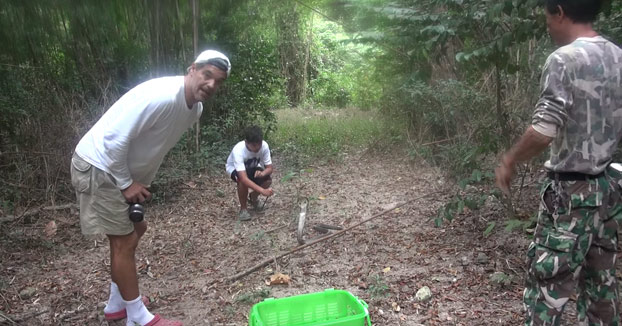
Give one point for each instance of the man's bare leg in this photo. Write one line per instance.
(123, 263)
(242, 195)
(140, 228)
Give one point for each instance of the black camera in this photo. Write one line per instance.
(137, 213)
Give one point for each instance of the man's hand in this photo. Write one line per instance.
(259, 174)
(267, 192)
(504, 174)
(136, 193)
(530, 144)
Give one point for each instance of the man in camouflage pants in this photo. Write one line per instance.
(579, 114)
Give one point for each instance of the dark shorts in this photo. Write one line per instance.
(250, 173)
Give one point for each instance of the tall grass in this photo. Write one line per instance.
(326, 135)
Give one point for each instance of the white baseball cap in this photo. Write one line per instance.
(209, 55)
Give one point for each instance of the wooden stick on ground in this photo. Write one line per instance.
(18, 319)
(4, 318)
(272, 259)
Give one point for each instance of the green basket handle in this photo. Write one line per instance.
(365, 305)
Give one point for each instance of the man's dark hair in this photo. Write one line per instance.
(580, 11)
(218, 63)
(253, 135)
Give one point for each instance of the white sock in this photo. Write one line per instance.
(137, 312)
(115, 301)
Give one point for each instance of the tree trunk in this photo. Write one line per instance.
(502, 117)
(181, 34)
(305, 71)
(195, 27)
(151, 36)
(195, 40)
(157, 38)
(291, 53)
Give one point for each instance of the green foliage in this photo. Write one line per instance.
(516, 224)
(469, 197)
(230, 311)
(303, 136)
(523, 225)
(377, 287)
(290, 175)
(258, 236)
(255, 296)
(429, 66)
(329, 91)
(340, 69)
(248, 95)
(444, 110)
(436, 60)
(64, 64)
(500, 278)
(504, 24)
(454, 116)
(489, 228)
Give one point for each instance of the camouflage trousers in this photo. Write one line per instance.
(575, 249)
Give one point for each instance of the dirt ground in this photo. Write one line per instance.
(195, 243)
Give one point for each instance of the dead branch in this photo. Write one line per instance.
(4, 318)
(438, 142)
(33, 153)
(272, 259)
(276, 229)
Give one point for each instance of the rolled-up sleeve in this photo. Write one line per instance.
(551, 112)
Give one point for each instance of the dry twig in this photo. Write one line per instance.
(273, 259)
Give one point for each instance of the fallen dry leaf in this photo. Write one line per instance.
(386, 270)
(278, 279)
(50, 229)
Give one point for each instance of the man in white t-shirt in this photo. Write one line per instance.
(250, 166)
(117, 159)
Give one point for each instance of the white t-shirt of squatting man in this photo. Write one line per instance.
(241, 159)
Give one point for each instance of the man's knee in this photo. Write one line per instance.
(241, 186)
(123, 244)
(266, 184)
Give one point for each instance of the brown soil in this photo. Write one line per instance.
(195, 243)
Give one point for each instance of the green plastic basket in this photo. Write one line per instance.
(330, 307)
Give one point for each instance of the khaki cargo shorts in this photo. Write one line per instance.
(103, 209)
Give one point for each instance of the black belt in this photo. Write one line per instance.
(572, 176)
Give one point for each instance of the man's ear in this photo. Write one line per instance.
(560, 13)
